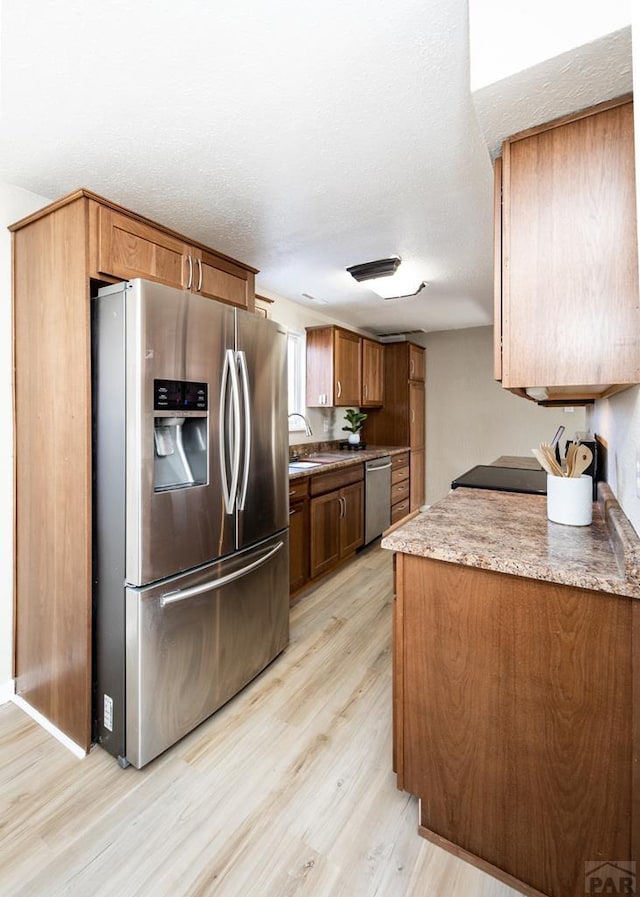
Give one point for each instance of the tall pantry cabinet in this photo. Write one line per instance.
(61, 255)
(401, 421)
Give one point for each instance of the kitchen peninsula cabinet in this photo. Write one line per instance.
(336, 517)
(401, 420)
(514, 714)
(516, 657)
(61, 255)
(567, 312)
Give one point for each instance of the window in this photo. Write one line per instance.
(295, 363)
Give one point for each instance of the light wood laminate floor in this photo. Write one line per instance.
(288, 790)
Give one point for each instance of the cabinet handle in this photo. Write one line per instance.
(413, 416)
(292, 492)
(339, 389)
(411, 368)
(365, 390)
(292, 512)
(190, 282)
(199, 287)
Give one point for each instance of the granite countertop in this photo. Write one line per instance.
(345, 459)
(509, 532)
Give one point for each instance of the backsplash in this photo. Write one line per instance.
(306, 448)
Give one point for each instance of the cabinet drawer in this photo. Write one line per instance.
(298, 489)
(398, 461)
(336, 479)
(399, 510)
(400, 491)
(399, 474)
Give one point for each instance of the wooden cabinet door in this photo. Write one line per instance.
(325, 532)
(346, 348)
(352, 519)
(417, 479)
(216, 278)
(319, 367)
(416, 362)
(128, 248)
(416, 414)
(570, 311)
(372, 373)
(298, 545)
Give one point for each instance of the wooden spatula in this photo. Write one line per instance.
(582, 458)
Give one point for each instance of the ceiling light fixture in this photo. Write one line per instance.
(387, 282)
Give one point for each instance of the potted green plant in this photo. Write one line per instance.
(355, 420)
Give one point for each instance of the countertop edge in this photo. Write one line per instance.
(623, 540)
(361, 456)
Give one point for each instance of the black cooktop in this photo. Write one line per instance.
(503, 479)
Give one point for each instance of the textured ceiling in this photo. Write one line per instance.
(299, 137)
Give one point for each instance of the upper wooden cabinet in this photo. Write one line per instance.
(567, 309)
(372, 373)
(343, 368)
(127, 247)
(416, 362)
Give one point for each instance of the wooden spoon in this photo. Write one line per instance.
(582, 459)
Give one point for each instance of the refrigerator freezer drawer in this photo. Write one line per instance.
(194, 641)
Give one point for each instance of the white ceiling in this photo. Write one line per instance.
(299, 137)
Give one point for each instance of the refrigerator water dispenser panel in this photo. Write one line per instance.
(179, 395)
(180, 453)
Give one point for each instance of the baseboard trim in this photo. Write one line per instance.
(7, 691)
(35, 715)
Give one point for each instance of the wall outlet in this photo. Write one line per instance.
(325, 425)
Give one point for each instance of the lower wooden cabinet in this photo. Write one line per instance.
(336, 517)
(298, 534)
(400, 487)
(337, 527)
(516, 721)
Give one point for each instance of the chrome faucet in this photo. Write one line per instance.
(307, 427)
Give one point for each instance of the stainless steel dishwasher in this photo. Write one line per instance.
(377, 501)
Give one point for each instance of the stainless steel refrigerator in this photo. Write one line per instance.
(190, 510)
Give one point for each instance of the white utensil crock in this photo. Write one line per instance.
(570, 500)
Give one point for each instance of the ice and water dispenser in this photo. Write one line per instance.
(180, 434)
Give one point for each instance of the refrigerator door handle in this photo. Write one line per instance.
(210, 585)
(229, 372)
(244, 373)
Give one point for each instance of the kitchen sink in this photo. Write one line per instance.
(303, 465)
(329, 457)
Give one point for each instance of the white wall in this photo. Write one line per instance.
(471, 419)
(14, 204)
(617, 419)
